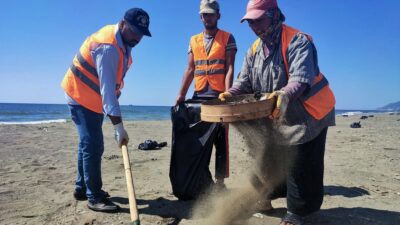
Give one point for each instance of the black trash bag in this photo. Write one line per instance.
(151, 145)
(355, 125)
(192, 143)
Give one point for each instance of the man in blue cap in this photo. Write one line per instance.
(92, 87)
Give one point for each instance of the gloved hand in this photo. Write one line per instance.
(224, 95)
(282, 102)
(121, 136)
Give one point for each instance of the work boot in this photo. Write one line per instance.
(80, 195)
(102, 205)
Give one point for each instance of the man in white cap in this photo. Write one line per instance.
(211, 59)
(283, 61)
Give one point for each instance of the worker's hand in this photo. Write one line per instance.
(179, 99)
(282, 102)
(224, 95)
(121, 136)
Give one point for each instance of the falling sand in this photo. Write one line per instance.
(267, 175)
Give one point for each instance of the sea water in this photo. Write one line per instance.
(17, 113)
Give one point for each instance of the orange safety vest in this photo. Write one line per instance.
(210, 68)
(81, 82)
(320, 100)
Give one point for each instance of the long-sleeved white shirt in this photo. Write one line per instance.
(106, 59)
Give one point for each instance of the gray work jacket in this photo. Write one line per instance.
(266, 74)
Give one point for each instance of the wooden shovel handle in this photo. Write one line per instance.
(131, 189)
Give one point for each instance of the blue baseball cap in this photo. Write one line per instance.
(138, 18)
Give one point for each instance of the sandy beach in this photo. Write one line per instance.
(37, 173)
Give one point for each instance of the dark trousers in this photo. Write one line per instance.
(304, 185)
(221, 144)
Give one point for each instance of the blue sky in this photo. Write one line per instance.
(357, 44)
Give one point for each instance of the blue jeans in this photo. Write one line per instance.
(90, 151)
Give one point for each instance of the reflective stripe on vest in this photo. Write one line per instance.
(210, 68)
(209, 62)
(85, 79)
(318, 86)
(209, 72)
(86, 65)
(319, 100)
(81, 82)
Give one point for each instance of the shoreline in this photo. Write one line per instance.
(106, 120)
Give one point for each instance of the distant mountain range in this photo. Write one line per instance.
(391, 107)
